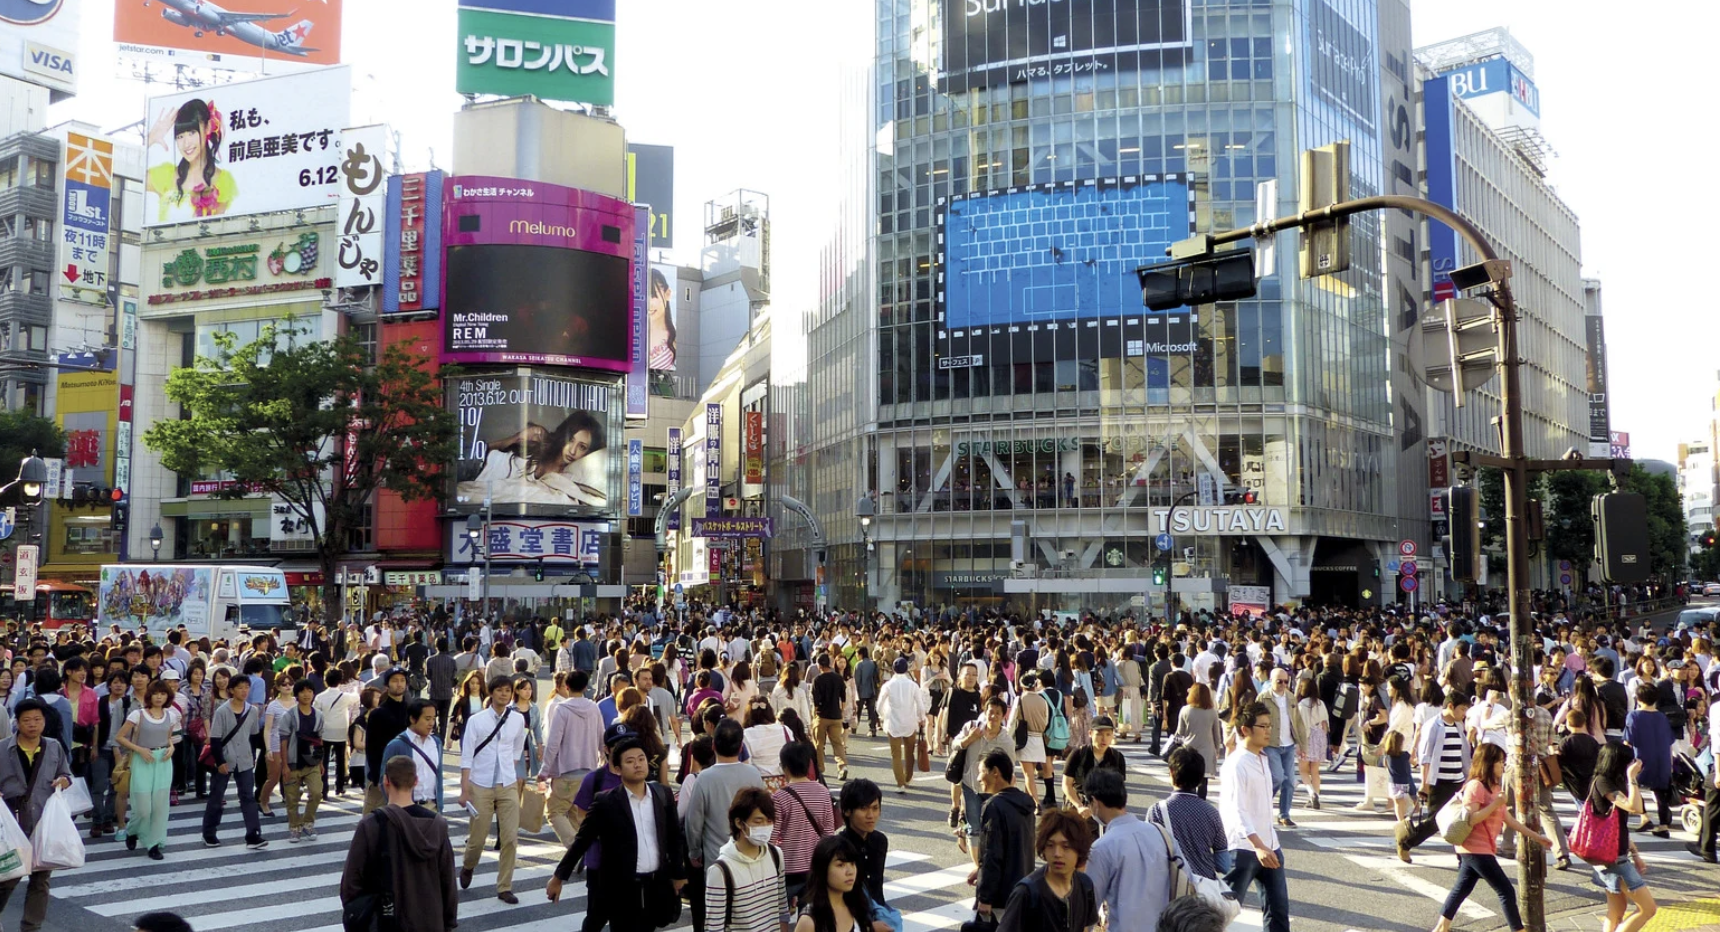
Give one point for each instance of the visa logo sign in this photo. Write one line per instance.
(52, 63)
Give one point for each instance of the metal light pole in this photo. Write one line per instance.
(155, 538)
(477, 527)
(32, 482)
(865, 511)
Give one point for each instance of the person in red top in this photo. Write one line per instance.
(1477, 857)
(804, 815)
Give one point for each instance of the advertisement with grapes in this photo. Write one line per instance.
(246, 148)
(235, 271)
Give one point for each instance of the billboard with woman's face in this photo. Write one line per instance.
(529, 439)
(660, 318)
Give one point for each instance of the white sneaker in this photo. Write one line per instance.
(293, 836)
(309, 832)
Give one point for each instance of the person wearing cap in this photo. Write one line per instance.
(904, 705)
(382, 725)
(1100, 755)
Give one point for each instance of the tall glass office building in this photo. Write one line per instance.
(1042, 439)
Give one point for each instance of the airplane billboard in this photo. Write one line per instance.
(246, 148)
(39, 44)
(235, 35)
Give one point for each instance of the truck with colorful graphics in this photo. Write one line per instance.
(211, 601)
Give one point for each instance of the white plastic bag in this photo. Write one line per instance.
(15, 859)
(78, 797)
(56, 843)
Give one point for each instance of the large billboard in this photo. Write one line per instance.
(1341, 65)
(412, 243)
(255, 268)
(156, 597)
(552, 49)
(554, 543)
(1049, 270)
(532, 439)
(363, 200)
(651, 180)
(1437, 119)
(246, 148)
(237, 35)
(84, 217)
(988, 42)
(39, 44)
(660, 313)
(537, 274)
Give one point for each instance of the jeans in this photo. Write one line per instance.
(334, 766)
(1474, 867)
(1282, 760)
(1274, 892)
(247, 783)
(1437, 796)
(869, 707)
(101, 787)
(972, 802)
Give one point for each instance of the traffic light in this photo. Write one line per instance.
(1160, 574)
(1708, 538)
(1621, 536)
(1464, 507)
(537, 573)
(121, 514)
(1227, 276)
(1241, 497)
(1325, 180)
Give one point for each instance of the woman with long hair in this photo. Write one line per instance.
(642, 722)
(469, 700)
(660, 321)
(1314, 750)
(1198, 729)
(149, 734)
(282, 691)
(194, 695)
(190, 184)
(1615, 794)
(834, 899)
(525, 703)
(1585, 697)
(791, 693)
(1478, 856)
(764, 739)
(740, 691)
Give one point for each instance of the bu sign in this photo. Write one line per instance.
(734, 527)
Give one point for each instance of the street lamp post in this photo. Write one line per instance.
(155, 538)
(31, 482)
(477, 527)
(866, 511)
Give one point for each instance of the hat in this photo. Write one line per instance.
(1104, 723)
(170, 674)
(901, 665)
(615, 734)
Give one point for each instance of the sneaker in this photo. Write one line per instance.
(1704, 855)
(1286, 823)
(310, 832)
(173, 798)
(293, 836)
(211, 842)
(257, 845)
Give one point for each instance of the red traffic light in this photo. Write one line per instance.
(1249, 497)
(118, 495)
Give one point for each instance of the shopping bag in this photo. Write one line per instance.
(78, 797)
(55, 843)
(15, 862)
(1453, 821)
(531, 810)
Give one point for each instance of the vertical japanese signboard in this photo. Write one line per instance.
(639, 376)
(84, 219)
(24, 580)
(635, 478)
(674, 484)
(753, 436)
(412, 253)
(363, 204)
(713, 460)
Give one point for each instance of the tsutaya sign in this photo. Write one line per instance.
(1220, 520)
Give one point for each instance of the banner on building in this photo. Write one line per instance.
(1437, 104)
(536, 440)
(990, 42)
(735, 527)
(1250, 601)
(639, 375)
(635, 478)
(660, 318)
(250, 269)
(84, 220)
(363, 206)
(236, 35)
(651, 180)
(713, 460)
(39, 42)
(526, 540)
(412, 244)
(551, 50)
(753, 422)
(29, 557)
(674, 483)
(265, 145)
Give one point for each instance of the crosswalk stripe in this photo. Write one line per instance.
(1432, 891)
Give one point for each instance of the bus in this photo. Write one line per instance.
(57, 605)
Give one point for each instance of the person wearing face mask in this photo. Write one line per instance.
(745, 888)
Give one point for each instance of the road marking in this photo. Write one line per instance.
(1426, 888)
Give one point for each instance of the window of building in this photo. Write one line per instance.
(91, 535)
(40, 229)
(38, 282)
(8, 228)
(42, 173)
(9, 173)
(226, 537)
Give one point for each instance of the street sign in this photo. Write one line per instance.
(473, 586)
(1393, 565)
(1407, 548)
(8, 521)
(24, 579)
(1408, 584)
(1408, 568)
(1564, 579)
(1164, 542)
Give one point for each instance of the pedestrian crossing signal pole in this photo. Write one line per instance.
(1198, 275)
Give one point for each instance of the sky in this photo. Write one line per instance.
(744, 90)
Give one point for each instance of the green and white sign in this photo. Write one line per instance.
(548, 56)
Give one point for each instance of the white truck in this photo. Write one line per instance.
(210, 601)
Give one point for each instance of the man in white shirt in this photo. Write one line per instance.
(493, 740)
(1245, 805)
(1280, 747)
(903, 704)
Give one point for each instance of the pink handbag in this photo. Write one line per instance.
(1595, 838)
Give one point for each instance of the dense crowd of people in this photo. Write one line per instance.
(702, 757)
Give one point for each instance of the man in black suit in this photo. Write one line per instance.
(636, 885)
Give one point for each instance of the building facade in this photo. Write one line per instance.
(1033, 436)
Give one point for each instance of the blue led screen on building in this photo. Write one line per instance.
(1056, 251)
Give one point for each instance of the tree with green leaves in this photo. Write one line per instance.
(1668, 541)
(23, 433)
(1569, 517)
(317, 423)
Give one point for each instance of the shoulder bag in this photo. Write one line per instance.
(1185, 882)
(1595, 837)
(1452, 820)
(501, 721)
(374, 911)
(213, 754)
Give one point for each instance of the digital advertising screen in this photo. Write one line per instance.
(536, 274)
(535, 439)
(990, 42)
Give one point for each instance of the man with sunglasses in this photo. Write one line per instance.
(1245, 805)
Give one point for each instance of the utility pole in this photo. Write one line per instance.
(1172, 285)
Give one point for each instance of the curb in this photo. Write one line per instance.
(1691, 915)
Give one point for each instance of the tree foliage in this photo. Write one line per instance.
(314, 422)
(1668, 540)
(23, 433)
(1569, 517)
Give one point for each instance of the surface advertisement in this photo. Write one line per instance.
(525, 540)
(1047, 271)
(1441, 183)
(86, 199)
(1341, 64)
(412, 243)
(530, 439)
(1250, 601)
(651, 180)
(635, 478)
(673, 485)
(363, 203)
(660, 318)
(156, 597)
(236, 35)
(258, 269)
(713, 460)
(39, 44)
(536, 273)
(1599, 416)
(638, 373)
(562, 51)
(989, 42)
(752, 438)
(255, 146)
